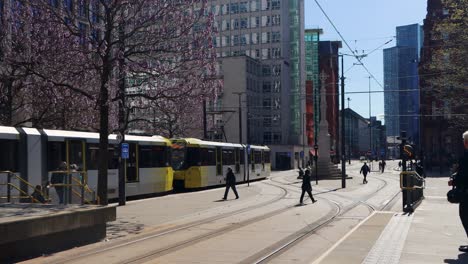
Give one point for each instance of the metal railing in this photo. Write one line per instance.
(69, 182)
(22, 194)
(73, 179)
(412, 187)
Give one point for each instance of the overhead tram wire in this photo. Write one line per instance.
(357, 57)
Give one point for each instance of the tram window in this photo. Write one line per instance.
(152, 156)
(93, 157)
(8, 155)
(208, 157)
(257, 157)
(241, 156)
(179, 158)
(55, 155)
(266, 156)
(193, 157)
(228, 157)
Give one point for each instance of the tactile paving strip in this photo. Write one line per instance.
(388, 248)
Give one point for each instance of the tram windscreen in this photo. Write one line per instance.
(179, 154)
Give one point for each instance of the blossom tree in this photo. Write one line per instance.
(91, 52)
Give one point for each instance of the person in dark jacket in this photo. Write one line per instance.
(57, 179)
(37, 195)
(306, 187)
(364, 170)
(230, 183)
(461, 182)
(383, 165)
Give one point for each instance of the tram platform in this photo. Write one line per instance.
(432, 234)
(29, 230)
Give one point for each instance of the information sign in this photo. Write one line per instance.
(125, 152)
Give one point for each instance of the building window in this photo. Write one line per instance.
(243, 39)
(82, 28)
(275, 4)
(235, 23)
(276, 37)
(235, 40)
(266, 87)
(234, 8)
(266, 70)
(277, 103)
(276, 70)
(82, 8)
(277, 86)
(267, 120)
(276, 138)
(276, 20)
(95, 11)
(68, 5)
(266, 137)
(226, 25)
(243, 7)
(254, 39)
(266, 103)
(243, 22)
(276, 120)
(53, 3)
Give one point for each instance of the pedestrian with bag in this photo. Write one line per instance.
(460, 182)
(364, 170)
(383, 165)
(306, 187)
(230, 183)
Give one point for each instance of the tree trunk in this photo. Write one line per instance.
(103, 145)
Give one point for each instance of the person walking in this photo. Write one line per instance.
(230, 183)
(461, 182)
(306, 187)
(364, 170)
(57, 180)
(383, 165)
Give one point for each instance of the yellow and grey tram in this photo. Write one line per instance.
(200, 164)
(32, 155)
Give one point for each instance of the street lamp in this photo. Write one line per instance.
(370, 125)
(343, 160)
(350, 134)
(315, 160)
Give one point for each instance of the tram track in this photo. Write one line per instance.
(286, 244)
(150, 235)
(262, 256)
(215, 233)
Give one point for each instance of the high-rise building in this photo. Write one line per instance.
(401, 83)
(312, 97)
(271, 32)
(443, 82)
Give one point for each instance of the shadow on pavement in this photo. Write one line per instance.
(462, 258)
(220, 200)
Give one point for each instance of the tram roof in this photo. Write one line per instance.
(70, 134)
(8, 132)
(94, 135)
(204, 143)
(199, 142)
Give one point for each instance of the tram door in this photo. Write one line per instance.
(219, 161)
(132, 163)
(75, 156)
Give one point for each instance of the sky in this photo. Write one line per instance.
(365, 25)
